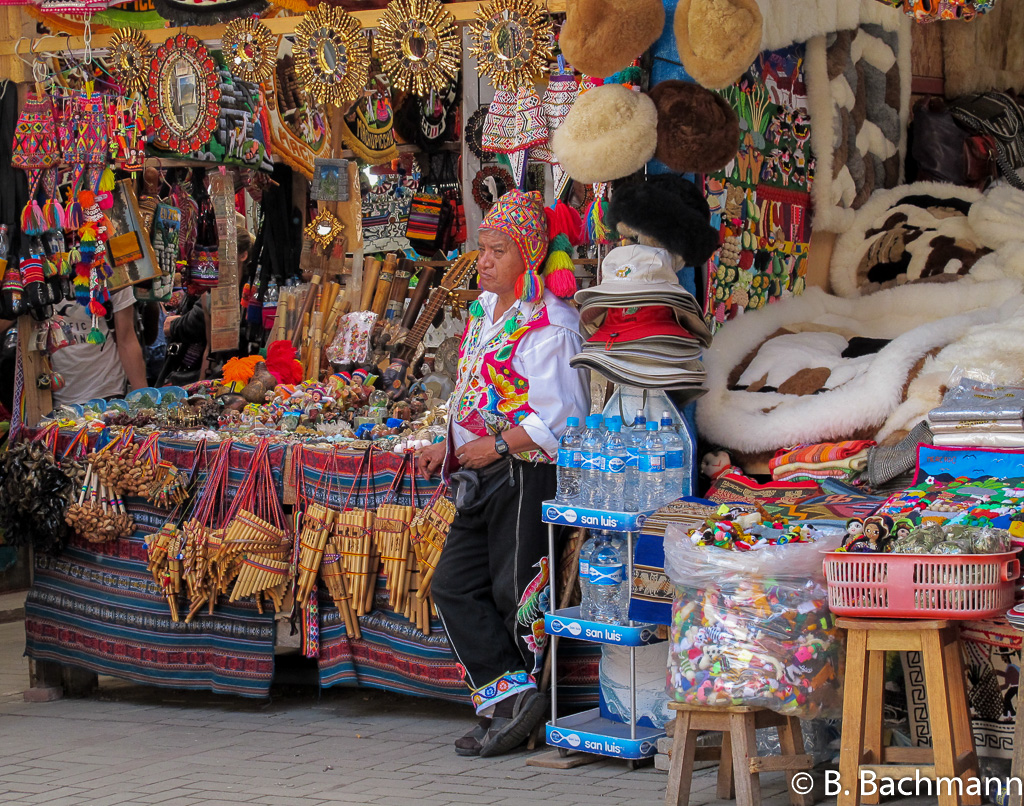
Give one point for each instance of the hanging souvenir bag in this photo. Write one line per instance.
(424, 220)
(998, 115)
(36, 151)
(203, 264)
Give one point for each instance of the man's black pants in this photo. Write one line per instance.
(491, 585)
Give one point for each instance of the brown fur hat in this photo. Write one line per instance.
(717, 39)
(698, 131)
(602, 37)
(610, 132)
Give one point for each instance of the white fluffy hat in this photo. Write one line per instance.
(610, 132)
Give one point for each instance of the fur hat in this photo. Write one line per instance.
(602, 37)
(667, 211)
(610, 132)
(717, 39)
(698, 131)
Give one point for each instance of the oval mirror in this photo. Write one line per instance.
(415, 46)
(508, 40)
(419, 45)
(184, 93)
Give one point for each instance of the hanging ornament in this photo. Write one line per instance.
(512, 41)
(332, 55)
(129, 57)
(250, 49)
(418, 45)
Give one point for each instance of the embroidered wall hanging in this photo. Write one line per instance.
(760, 202)
(299, 131)
(386, 213)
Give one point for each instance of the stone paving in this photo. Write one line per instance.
(128, 745)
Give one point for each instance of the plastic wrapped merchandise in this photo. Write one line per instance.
(753, 627)
(651, 705)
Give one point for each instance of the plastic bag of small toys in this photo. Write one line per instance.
(750, 619)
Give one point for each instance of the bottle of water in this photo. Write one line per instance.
(615, 455)
(586, 551)
(652, 470)
(590, 477)
(674, 457)
(570, 462)
(633, 437)
(609, 592)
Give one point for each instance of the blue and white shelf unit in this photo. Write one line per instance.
(589, 731)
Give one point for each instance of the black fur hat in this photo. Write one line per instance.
(669, 210)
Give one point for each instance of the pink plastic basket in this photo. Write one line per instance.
(971, 586)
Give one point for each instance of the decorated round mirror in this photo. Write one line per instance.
(511, 40)
(129, 56)
(418, 45)
(332, 57)
(183, 95)
(249, 47)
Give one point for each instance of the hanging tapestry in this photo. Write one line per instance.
(858, 93)
(760, 202)
(299, 131)
(386, 212)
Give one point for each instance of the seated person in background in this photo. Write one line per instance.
(188, 333)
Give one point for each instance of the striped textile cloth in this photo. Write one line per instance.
(98, 608)
(818, 453)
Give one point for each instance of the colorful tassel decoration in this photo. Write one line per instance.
(53, 213)
(560, 274)
(529, 286)
(107, 181)
(95, 335)
(32, 220)
(597, 229)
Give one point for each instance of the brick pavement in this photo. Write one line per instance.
(128, 745)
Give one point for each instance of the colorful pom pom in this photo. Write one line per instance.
(529, 286)
(560, 275)
(95, 336)
(86, 198)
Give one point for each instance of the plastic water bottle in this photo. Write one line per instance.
(570, 462)
(586, 550)
(634, 437)
(590, 477)
(674, 458)
(609, 593)
(652, 470)
(615, 455)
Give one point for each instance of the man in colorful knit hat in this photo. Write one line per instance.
(514, 392)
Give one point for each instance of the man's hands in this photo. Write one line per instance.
(478, 453)
(431, 458)
(473, 455)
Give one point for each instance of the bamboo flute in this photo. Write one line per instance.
(371, 269)
(384, 281)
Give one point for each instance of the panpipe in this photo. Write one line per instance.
(391, 537)
(198, 582)
(371, 270)
(332, 572)
(165, 548)
(169, 487)
(417, 608)
(247, 538)
(259, 575)
(317, 521)
(354, 532)
(429, 531)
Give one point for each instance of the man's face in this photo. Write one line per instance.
(499, 264)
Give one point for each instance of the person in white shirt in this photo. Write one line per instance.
(99, 370)
(514, 392)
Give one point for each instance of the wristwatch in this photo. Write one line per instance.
(500, 445)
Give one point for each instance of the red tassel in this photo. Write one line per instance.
(96, 309)
(561, 283)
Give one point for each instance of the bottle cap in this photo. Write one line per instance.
(652, 426)
(614, 425)
(572, 422)
(593, 420)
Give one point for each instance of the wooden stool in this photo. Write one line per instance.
(739, 765)
(952, 752)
